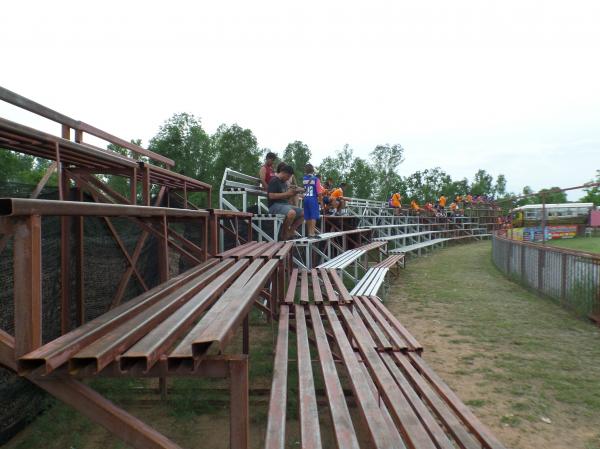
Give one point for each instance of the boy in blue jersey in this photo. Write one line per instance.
(312, 189)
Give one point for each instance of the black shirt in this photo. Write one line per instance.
(276, 185)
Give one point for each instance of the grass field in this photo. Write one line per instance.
(527, 367)
(589, 244)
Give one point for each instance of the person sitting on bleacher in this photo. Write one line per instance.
(396, 203)
(266, 171)
(338, 200)
(278, 199)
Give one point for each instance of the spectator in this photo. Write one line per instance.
(312, 189)
(396, 203)
(338, 200)
(266, 171)
(278, 200)
(442, 201)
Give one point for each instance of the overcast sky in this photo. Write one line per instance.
(509, 86)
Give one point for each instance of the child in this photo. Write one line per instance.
(312, 189)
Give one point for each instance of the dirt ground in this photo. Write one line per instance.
(528, 368)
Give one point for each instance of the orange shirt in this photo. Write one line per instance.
(443, 201)
(337, 193)
(469, 198)
(396, 199)
(453, 206)
(414, 205)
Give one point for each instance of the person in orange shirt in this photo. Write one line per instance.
(337, 198)
(442, 201)
(453, 207)
(458, 200)
(396, 203)
(469, 199)
(414, 206)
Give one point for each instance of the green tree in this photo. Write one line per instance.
(22, 168)
(120, 183)
(500, 187)
(386, 160)
(234, 147)
(362, 178)
(553, 195)
(182, 139)
(592, 194)
(297, 154)
(482, 183)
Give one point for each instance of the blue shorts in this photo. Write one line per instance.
(311, 208)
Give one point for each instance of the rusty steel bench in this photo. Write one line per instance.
(396, 400)
(179, 328)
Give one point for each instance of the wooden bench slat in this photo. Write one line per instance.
(389, 316)
(340, 415)
(403, 415)
(291, 291)
(380, 338)
(470, 420)
(275, 437)
(331, 296)
(316, 286)
(398, 343)
(444, 413)
(304, 287)
(310, 431)
(434, 430)
(341, 288)
(367, 402)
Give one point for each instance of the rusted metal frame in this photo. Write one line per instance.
(395, 337)
(145, 185)
(367, 403)
(482, 433)
(338, 408)
(435, 431)
(58, 351)
(123, 249)
(27, 273)
(80, 274)
(23, 206)
(148, 350)
(403, 415)
(91, 404)
(163, 251)
(310, 432)
(148, 228)
(275, 436)
(239, 408)
(42, 183)
(101, 352)
(226, 308)
(213, 232)
(436, 404)
(67, 122)
(133, 186)
(217, 329)
(191, 245)
(65, 222)
(233, 252)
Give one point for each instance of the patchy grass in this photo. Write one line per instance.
(588, 244)
(527, 367)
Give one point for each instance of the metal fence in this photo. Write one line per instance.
(570, 277)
